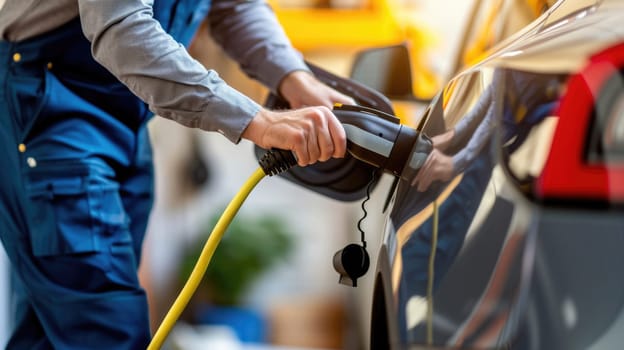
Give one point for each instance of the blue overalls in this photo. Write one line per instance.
(76, 189)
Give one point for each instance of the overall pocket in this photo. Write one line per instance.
(75, 212)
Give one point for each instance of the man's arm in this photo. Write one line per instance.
(129, 42)
(250, 34)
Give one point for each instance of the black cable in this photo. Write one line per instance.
(368, 190)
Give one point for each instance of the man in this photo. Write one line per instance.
(76, 189)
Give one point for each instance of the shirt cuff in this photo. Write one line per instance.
(230, 114)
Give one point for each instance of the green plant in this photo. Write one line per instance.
(249, 247)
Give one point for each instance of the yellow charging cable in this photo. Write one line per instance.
(204, 259)
(272, 163)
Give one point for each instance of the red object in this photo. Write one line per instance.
(566, 174)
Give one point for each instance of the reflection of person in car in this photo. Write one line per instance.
(528, 98)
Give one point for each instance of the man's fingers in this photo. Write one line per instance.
(423, 178)
(300, 147)
(314, 151)
(326, 144)
(311, 133)
(338, 137)
(332, 137)
(326, 137)
(424, 184)
(342, 98)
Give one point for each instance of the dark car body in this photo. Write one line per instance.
(520, 245)
(511, 236)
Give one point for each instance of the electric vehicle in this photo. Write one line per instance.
(511, 235)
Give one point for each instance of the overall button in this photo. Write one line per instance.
(17, 57)
(21, 147)
(31, 162)
(49, 65)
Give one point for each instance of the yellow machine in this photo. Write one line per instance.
(373, 23)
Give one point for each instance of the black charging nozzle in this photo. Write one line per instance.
(379, 139)
(375, 138)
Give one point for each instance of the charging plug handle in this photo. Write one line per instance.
(379, 139)
(276, 161)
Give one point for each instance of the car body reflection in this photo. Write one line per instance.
(485, 249)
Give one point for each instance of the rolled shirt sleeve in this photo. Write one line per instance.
(130, 43)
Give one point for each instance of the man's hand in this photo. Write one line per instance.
(437, 167)
(311, 133)
(301, 89)
(443, 141)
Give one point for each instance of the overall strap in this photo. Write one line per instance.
(181, 18)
